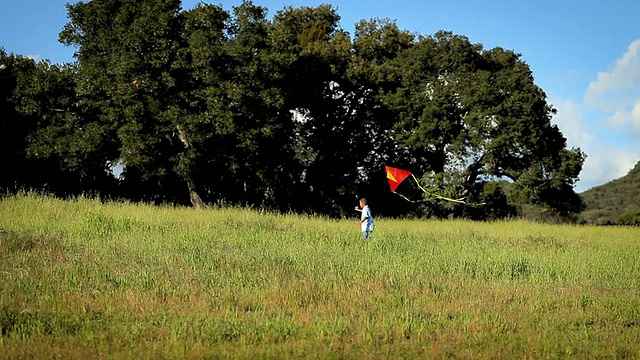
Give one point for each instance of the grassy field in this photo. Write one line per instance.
(85, 279)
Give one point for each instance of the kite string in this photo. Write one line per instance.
(404, 197)
(420, 186)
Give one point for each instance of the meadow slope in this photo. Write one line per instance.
(86, 279)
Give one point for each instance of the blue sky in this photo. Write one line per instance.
(584, 54)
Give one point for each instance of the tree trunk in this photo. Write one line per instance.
(471, 175)
(196, 201)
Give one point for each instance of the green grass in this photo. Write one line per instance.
(83, 279)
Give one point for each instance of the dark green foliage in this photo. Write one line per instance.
(127, 52)
(631, 217)
(14, 127)
(290, 113)
(41, 131)
(495, 205)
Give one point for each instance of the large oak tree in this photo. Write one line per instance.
(472, 116)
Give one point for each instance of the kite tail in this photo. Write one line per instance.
(459, 201)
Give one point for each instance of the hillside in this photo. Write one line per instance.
(616, 202)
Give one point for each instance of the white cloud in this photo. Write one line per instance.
(570, 120)
(619, 87)
(627, 120)
(606, 163)
(606, 125)
(635, 116)
(619, 119)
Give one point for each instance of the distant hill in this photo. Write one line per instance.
(616, 202)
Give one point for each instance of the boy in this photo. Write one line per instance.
(366, 220)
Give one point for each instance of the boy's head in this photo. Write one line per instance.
(363, 202)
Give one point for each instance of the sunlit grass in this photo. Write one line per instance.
(83, 279)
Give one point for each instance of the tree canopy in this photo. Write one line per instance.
(290, 112)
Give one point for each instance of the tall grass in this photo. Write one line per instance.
(85, 279)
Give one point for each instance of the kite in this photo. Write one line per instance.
(396, 176)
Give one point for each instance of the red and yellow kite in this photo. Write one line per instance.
(395, 176)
